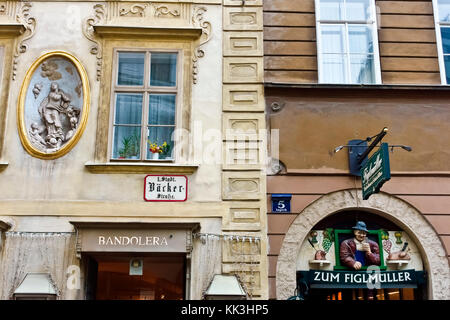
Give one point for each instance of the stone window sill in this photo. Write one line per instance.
(129, 167)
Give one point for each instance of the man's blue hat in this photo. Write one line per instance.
(360, 225)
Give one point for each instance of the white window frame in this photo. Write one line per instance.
(345, 23)
(146, 90)
(440, 49)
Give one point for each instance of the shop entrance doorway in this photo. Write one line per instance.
(120, 276)
(357, 255)
(366, 294)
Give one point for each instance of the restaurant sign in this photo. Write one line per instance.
(362, 279)
(133, 240)
(165, 188)
(375, 172)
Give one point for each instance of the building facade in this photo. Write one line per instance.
(337, 72)
(118, 180)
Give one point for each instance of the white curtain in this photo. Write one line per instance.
(36, 253)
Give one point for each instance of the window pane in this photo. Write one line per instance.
(444, 10)
(159, 135)
(362, 69)
(358, 10)
(360, 39)
(445, 33)
(334, 68)
(131, 69)
(162, 109)
(333, 39)
(331, 10)
(163, 69)
(126, 142)
(128, 108)
(447, 68)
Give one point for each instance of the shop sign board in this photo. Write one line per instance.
(358, 279)
(375, 172)
(169, 188)
(133, 240)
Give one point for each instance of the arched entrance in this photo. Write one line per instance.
(394, 209)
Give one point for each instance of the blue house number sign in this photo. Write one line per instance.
(281, 202)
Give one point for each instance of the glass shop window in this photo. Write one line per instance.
(347, 42)
(145, 97)
(159, 277)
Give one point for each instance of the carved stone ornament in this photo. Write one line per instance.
(163, 10)
(88, 31)
(53, 105)
(198, 21)
(23, 17)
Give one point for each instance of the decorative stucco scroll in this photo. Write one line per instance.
(23, 17)
(147, 10)
(134, 10)
(88, 31)
(165, 11)
(198, 21)
(112, 12)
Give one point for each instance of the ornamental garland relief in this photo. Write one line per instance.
(53, 105)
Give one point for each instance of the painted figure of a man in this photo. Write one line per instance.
(359, 251)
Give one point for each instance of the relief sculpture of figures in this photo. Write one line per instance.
(51, 134)
(53, 105)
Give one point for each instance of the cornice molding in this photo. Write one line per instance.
(3, 166)
(127, 31)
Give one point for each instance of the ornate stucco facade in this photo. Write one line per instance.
(48, 198)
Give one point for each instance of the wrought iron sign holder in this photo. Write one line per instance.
(358, 150)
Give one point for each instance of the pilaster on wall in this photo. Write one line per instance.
(243, 175)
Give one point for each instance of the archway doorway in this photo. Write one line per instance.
(358, 255)
(398, 211)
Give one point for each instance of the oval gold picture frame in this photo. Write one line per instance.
(25, 91)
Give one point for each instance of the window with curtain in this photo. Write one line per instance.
(145, 98)
(442, 20)
(347, 42)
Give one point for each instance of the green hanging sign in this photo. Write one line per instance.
(375, 172)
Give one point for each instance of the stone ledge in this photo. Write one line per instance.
(3, 166)
(121, 167)
(114, 31)
(11, 29)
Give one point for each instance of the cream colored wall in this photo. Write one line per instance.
(222, 198)
(44, 195)
(244, 182)
(66, 178)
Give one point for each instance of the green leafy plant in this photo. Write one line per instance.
(130, 147)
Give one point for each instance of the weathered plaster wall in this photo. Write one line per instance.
(316, 121)
(58, 27)
(44, 195)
